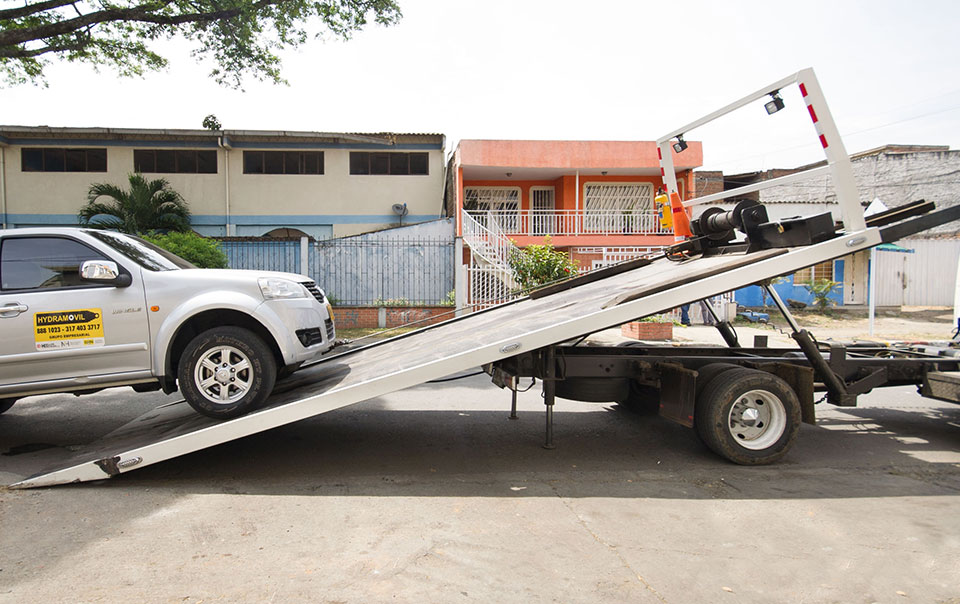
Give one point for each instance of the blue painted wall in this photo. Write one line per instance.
(752, 296)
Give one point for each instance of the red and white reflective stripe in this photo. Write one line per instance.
(813, 115)
(659, 153)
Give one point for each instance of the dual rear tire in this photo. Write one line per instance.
(748, 416)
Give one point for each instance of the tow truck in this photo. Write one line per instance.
(746, 403)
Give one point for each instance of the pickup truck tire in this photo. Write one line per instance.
(748, 416)
(6, 403)
(226, 372)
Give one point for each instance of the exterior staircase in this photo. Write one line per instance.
(491, 280)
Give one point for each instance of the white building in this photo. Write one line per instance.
(237, 182)
(896, 174)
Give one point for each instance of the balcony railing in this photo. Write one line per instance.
(571, 222)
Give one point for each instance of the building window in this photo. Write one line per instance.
(494, 206)
(363, 162)
(824, 270)
(283, 162)
(63, 160)
(175, 161)
(618, 208)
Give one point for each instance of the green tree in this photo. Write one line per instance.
(537, 265)
(239, 36)
(212, 123)
(199, 251)
(149, 205)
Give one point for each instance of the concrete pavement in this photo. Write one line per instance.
(432, 495)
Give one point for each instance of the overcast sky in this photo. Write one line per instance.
(604, 70)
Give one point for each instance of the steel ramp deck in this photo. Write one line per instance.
(441, 350)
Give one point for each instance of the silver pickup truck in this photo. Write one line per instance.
(85, 309)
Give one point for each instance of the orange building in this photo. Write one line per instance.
(594, 199)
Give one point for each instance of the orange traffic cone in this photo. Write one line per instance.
(681, 223)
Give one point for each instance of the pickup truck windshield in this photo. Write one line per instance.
(142, 252)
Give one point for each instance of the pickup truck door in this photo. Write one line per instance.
(56, 327)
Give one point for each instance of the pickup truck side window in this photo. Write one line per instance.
(43, 262)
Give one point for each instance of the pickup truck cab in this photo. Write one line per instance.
(86, 309)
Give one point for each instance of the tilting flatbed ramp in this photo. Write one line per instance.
(173, 430)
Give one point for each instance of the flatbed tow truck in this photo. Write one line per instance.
(745, 403)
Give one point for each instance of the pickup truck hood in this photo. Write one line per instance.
(225, 274)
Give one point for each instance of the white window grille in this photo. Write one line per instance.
(616, 207)
(498, 204)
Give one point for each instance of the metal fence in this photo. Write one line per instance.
(356, 270)
(263, 254)
(401, 272)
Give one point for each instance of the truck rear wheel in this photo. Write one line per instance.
(226, 372)
(6, 403)
(748, 416)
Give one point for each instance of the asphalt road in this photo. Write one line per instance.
(432, 495)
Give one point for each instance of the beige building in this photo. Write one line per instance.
(237, 182)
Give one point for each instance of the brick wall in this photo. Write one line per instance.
(645, 330)
(352, 317)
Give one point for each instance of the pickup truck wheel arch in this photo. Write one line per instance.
(211, 319)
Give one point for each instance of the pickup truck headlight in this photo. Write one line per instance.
(281, 289)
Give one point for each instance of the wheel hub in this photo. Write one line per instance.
(757, 419)
(224, 375)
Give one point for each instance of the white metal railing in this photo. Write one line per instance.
(489, 276)
(568, 222)
(487, 238)
(486, 287)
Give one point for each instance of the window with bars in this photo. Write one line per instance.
(501, 205)
(45, 159)
(598, 197)
(283, 162)
(392, 163)
(493, 199)
(175, 161)
(616, 207)
(824, 270)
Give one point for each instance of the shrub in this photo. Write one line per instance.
(821, 290)
(537, 265)
(193, 248)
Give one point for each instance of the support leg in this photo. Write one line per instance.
(549, 393)
(513, 404)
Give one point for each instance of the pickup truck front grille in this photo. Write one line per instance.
(314, 291)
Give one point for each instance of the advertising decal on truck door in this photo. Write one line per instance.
(68, 329)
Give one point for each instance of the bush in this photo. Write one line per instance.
(203, 252)
(821, 290)
(537, 265)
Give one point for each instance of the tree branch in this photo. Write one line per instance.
(140, 14)
(32, 9)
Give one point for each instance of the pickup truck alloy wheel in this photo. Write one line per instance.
(748, 416)
(224, 374)
(226, 371)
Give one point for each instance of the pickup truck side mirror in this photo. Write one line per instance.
(105, 272)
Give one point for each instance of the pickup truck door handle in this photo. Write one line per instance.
(12, 310)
